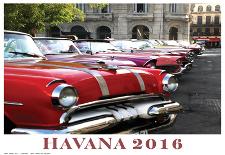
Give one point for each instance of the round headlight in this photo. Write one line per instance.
(169, 83)
(64, 95)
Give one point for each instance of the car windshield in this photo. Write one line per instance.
(160, 42)
(142, 45)
(96, 47)
(183, 43)
(20, 46)
(123, 44)
(154, 42)
(127, 44)
(56, 46)
(171, 43)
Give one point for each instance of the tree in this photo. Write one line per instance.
(32, 18)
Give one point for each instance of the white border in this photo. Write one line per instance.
(192, 144)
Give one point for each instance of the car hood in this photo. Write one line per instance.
(86, 78)
(141, 58)
(168, 47)
(125, 54)
(194, 46)
(90, 59)
(166, 52)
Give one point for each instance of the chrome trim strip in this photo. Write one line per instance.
(138, 76)
(55, 81)
(13, 103)
(101, 81)
(162, 71)
(140, 80)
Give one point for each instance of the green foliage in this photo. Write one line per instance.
(98, 5)
(28, 17)
(31, 18)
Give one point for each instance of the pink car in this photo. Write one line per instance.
(172, 64)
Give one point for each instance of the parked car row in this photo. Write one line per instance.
(173, 61)
(60, 86)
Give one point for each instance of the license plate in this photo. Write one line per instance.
(141, 132)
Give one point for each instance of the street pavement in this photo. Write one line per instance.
(199, 93)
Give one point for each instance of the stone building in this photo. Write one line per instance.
(125, 21)
(206, 23)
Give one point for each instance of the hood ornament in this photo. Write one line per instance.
(111, 67)
(103, 65)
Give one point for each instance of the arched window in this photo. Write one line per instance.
(217, 8)
(208, 8)
(200, 8)
(103, 32)
(140, 32)
(79, 31)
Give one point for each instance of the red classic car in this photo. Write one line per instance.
(56, 97)
(104, 48)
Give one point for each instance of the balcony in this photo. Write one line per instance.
(206, 25)
(99, 16)
(205, 34)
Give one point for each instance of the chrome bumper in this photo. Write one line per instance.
(180, 72)
(188, 66)
(93, 119)
(185, 68)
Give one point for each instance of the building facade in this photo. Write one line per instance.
(126, 21)
(206, 23)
